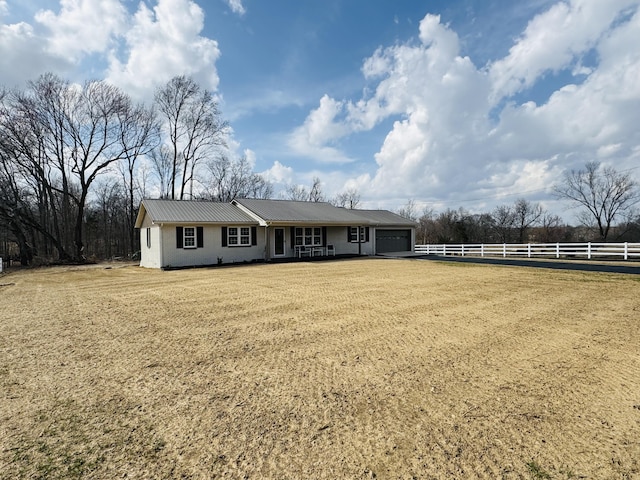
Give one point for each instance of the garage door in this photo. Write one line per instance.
(393, 241)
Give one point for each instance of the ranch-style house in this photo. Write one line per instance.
(181, 233)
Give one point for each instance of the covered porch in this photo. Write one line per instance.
(296, 241)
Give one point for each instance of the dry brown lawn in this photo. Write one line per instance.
(367, 368)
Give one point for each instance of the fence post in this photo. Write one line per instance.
(626, 252)
(462, 249)
(0, 264)
(558, 250)
(482, 249)
(528, 250)
(589, 250)
(504, 250)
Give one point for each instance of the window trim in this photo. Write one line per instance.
(149, 237)
(181, 236)
(239, 236)
(359, 234)
(190, 237)
(308, 236)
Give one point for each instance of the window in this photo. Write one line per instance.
(308, 236)
(189, 237)
(358, 234)
(238, 236)
(148, 238)
(245, 236)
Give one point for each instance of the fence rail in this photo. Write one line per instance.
(589, 250)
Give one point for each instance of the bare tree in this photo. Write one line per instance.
(107, 229)
(301, 194)
(426, 231)
(551, 228)
(162, 168)
(13, 201)
(230, 179)
(604, 193)
(315, 194)
(503, 223)
(141, 139)
(194, 127)
(526, 215)
(61, 137)
(32, 142)
(259, 187)
(408, 210)
(454, 226)
(296, 192)
(349, 199)
(104, 129)
(478, 227)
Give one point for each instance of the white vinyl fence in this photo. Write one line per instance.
(586, 250)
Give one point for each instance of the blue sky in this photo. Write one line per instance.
(458, 103)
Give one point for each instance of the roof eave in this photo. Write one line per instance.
(140, 217)
(261, 221)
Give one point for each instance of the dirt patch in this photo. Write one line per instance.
(370, 368)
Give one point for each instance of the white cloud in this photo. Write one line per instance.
(278, 174)
(236, 6)
(414, 81)
(17, 42)
(82, 26)
(250, 155)
(100, 39)
(450, 140)
(442, 101)
(164, 42)
(552, 41)
(319, 128)
(589, 118)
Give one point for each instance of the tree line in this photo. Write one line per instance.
(606, 200)
(76, 160)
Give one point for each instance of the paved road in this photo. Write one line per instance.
(632, 268)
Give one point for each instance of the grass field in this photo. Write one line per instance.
(367, 368)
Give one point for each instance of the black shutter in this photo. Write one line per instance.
(324, 236)
(349, 234)
(254, 236)
(366, 234)
(224, 236)
(200, 237)
(293, 236)
(178, 237)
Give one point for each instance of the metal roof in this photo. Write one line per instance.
(291, 211)
(385, 218)
(187, 211)
(256, 211)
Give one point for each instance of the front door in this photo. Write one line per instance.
(279, 242)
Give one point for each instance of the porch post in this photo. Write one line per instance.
(267, 243)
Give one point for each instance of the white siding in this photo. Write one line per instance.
(164, 253)
(211, 251)
(150, 257)
(338, 237)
